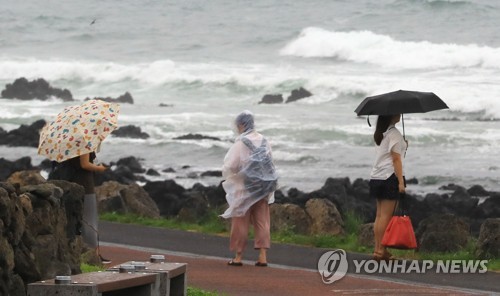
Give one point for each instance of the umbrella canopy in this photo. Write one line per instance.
(78, 130)
(400, 102)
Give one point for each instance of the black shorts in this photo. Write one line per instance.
(385, 189)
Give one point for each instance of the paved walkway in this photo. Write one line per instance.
(292, 272)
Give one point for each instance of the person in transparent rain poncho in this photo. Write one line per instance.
(250, 182)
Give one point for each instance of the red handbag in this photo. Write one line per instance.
(399, 233)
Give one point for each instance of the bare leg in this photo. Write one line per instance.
(262, 255)
(385, 209)
(238, 257)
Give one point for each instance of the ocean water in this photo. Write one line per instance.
(213, 59)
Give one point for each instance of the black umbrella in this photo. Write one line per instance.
(400, 102)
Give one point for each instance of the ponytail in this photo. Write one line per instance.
(383, 122)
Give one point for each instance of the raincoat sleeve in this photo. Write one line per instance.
(233, 182)
(232, 161)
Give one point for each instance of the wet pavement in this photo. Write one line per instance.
(292, 269)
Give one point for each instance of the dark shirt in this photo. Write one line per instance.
(70, 170)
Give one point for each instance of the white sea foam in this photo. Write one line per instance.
(382, 50)
(458, 87)
(147, 74)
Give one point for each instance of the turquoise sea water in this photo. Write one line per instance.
(212, 59)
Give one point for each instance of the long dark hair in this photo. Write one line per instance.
(383, 122)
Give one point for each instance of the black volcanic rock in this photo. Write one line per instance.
(125, 98)
(8, 167)
(167, 195)
(478, 190)
(40, 89)
(272, 99)
(196, 137)
(130, 131)
(298, 94)
(132, 163)
(25, 135)
(212, 174)
(152, 172)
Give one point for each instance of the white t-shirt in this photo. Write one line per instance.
(392, 141)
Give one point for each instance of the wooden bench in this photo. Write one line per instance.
(100, 284)
(173, 278)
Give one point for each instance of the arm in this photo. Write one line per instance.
(87, 165)
(232, 160)
(398, 170)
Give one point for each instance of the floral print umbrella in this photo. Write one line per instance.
(78, 130)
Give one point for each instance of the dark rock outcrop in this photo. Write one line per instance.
(490, 208)
(326, 219)
(125, 98)
(298, 94)
(167, 195)
(442, 233)
(194, 207)
(348, 197)
(133, 199)
(272, 99)
(40, 89)
(289, 217)
(8, 167)
(132, 163)
(214, 195)
(478, 190)
(25, 135)
(488, 244)
(212, 174)
(152, 172)
(196, 137)
(130, 131)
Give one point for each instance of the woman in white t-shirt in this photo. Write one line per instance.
(387, 181)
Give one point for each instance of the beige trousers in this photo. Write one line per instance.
(258, 216)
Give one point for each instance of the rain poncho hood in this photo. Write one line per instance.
(248, 169)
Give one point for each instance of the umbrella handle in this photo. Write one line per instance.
(404, 137)
(403, 122)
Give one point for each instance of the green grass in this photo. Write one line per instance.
(466, 254)
(494, 264)
(90, 268)
(212, 224)
(198, 292)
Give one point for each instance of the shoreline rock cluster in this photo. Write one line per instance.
(296, 94)
(29, 135)
(40, 89)
(346, 196)
(173, 200)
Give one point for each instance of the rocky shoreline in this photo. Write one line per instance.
(347, 195)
